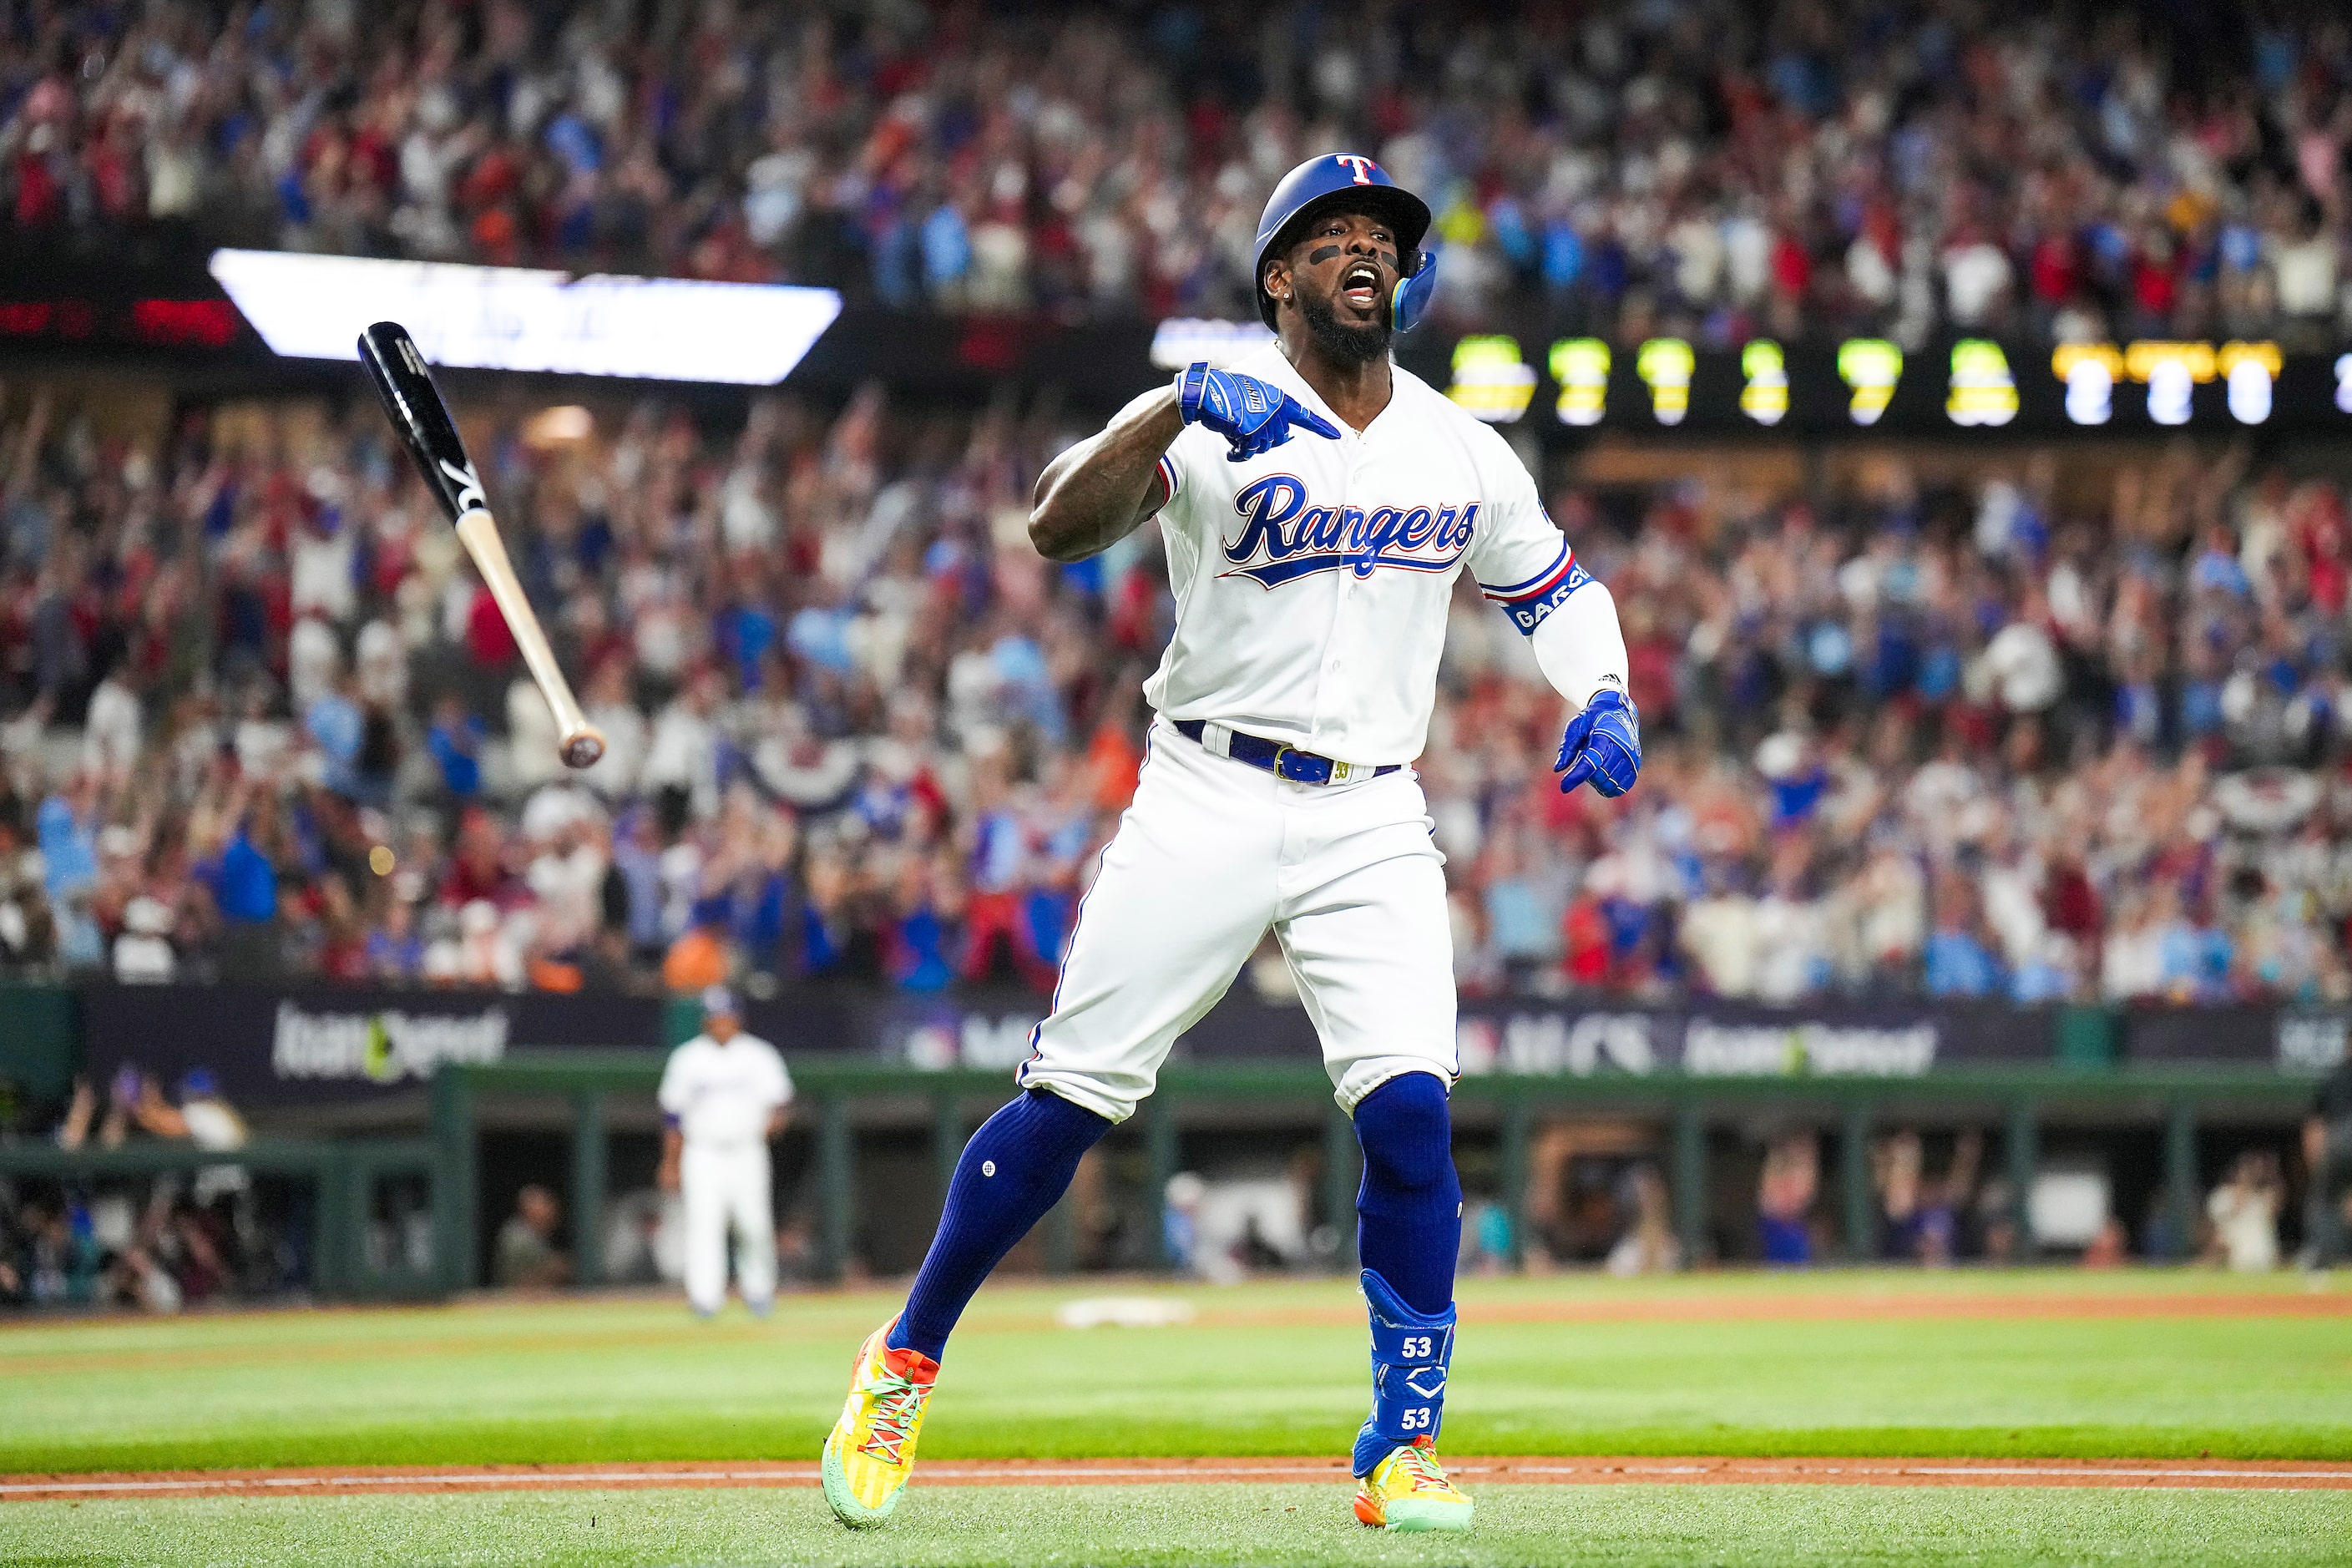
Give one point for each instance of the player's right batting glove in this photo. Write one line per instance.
(1602, 746)
(1253, 415)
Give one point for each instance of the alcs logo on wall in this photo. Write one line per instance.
(1549, 1043)
(382, 1048)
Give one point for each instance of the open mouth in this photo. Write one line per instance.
(1360, 286)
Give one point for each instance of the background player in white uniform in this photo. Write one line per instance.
(724, 1094)
(1318, 505)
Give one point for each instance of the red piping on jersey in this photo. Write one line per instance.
(1542, 583)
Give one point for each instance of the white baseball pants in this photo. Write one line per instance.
(1211, 854)
(726, 1186)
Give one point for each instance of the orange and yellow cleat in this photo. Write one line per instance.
(870, 1452)
(1408, 1491)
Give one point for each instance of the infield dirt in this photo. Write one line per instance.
(356, 1481)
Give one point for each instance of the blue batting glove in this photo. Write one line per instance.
(1253, 415)
(1603, 745)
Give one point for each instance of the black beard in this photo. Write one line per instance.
(1349, 345)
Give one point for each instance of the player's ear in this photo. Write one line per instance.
(1278, 278)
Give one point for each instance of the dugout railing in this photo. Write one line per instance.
(342, 1177)
(837, 1097)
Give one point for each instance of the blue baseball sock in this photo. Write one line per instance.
(1013, 1171)
(1409, 1212)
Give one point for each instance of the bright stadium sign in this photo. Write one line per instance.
(1491, 382)
(519, 318)
(1179, 341)
(382, 1048)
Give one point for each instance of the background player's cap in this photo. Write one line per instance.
(718, 1002)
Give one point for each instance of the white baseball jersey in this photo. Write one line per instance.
(1312, 581)
(724, 1095)
(1312, 584)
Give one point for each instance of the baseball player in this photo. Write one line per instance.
(1318, 504)
(724, 1095)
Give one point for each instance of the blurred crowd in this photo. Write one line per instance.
(2018, 733)
(1712, 168)
(1976, 739)
(159, 1245)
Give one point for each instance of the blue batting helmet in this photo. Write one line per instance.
(1336, 179)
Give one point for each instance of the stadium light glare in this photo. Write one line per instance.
(1581, 366)
(1871, 367)
(1982, 392)
(1664, 365)
(2090, 371)
(1491, 380)
(1765, 397)
(2171, 373)
(523, 319)
(2250, 371)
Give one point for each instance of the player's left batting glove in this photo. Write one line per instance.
(1603, 745)
(1252, 415)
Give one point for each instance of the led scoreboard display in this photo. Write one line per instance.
(1667, 384)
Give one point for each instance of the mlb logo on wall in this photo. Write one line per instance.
(935, 1038)
(2310, 1042)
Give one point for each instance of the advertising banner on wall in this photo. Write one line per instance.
(319, 1044)
(1727, 1039)
(1550, 1038)
(2292, 1040)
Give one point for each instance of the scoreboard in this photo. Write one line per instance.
(1960, 384)
(1668, 386)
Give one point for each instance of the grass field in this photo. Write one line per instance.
(2137, 1364)
(1518, 1527)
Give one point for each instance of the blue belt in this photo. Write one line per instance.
(1283, 762)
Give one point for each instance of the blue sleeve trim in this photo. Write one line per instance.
(1167, 479)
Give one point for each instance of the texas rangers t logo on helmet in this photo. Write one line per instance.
(1362, 165)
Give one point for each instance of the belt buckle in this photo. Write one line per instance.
(1305, 775)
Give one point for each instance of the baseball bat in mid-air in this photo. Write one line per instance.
(414, 407)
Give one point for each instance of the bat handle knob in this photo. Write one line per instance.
(583, 748)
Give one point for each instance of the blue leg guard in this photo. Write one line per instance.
(1410, 1352)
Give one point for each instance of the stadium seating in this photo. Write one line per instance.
(1699, 168)
(2024, 733)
